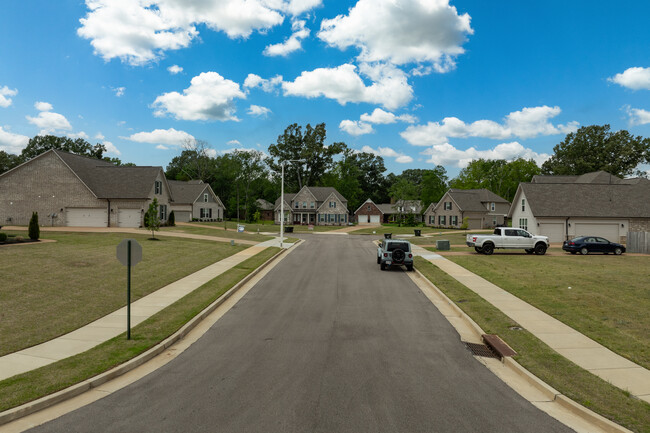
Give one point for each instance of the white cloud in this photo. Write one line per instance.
(401, 32)
(12, 143)
(256, 110)
(233, 142)
(633, 78)
(355, 128)
(389, 88)
(162, 147)
(5, 96)
(387, 152)
(119, 91)
(447, 155)
(637, 115)
(526, 123)
(209, 97)
(111, 149)
(292, 43)
(47, 121)
(141, 31)
(252, 81)
(382, 117)
(99, 136)
(43, 106)
(175, 69)
(169, 137)
(79, 134)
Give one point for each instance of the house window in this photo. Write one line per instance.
(163, 212)
(432, 219)
(523, 223)
(297, 205)
(369, 208)
(304, 205)
(447, 205)
(333, 204)
(206, 213)
(205, 198)
(442, 220)
(158, 187)
(312, 205)
(523, 205)
(492, 207)
(453, 220)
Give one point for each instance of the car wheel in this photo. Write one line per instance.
(584, 251)
(478, 250)
(540, 249)
(618, 251)
(487, 249)
(529, 250)
(382, 266)
(378, 260)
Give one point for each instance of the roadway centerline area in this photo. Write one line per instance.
(325, 342)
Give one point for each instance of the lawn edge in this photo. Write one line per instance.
(88, 384)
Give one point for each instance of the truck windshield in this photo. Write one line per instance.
(404, 246)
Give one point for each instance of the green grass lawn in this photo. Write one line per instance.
(394, 229)
(608, 299)
(37, 383)
(216, 230)
(563, 375)
(270, 227)
(50, 289)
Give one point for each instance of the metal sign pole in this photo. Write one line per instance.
(128, 292)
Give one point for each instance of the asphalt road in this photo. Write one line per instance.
(326, 342)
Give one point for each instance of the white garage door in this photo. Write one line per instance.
(608, 231)
(128, 218)
(86, 217)
(374, 219)
(554, 231)
(182, 216)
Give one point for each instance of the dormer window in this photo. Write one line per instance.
(157, 187)
(447, 205)
(205, 198)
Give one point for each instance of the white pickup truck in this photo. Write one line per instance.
(506, 237)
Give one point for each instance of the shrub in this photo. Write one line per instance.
(34, 230)
(171, 221)
(465, 223)
(19, 238)
(3, 237)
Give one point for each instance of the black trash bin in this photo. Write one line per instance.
(418, 232)
(288, 229)
(388, 236)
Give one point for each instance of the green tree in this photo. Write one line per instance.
(250, 168)
(346, 177)
(400, 191)
(41, 143)
(8, 161)
(194, 163)
(594, 148)
(151, 218)
(310, 146)
(34, 230)
(434, 185)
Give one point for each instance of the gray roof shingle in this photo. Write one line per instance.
(186, 192)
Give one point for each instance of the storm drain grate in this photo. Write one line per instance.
(481, 350)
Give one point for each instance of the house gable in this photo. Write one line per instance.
(365, 205)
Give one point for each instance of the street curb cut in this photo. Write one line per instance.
(75, 390)
(551, 393)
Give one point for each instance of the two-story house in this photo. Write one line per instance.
(481, 207)
(313, 206)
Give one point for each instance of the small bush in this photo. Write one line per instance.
(3, 237)
(171, 221)
(34, 230)
(19, 238)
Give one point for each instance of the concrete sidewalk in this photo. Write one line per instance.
(114, 324)
(576, 347)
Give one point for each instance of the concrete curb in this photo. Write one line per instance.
(512, 365)
(75, 390)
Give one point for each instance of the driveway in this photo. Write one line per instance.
(326, 342)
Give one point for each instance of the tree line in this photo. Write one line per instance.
(241, 177)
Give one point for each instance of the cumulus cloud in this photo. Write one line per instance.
(291, 44)
(355, 128)
(256, 110)
(387, 152)
(12, 143)
(447, 155)
(253, 81)
(141, 31)
(99, 136)
(162, 147)
(175, 69)
(111, 149)
(633, 78)
(209, 97)
(526, 123)
(5, 96)
(233, 142)
(119, 91)
(48, 121)
(79, 134)
(343, 84)
(168, 137)
(637, 115)
(401, 32)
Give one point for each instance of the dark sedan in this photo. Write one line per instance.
(592, 244)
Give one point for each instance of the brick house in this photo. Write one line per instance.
(315, 206)
(594, 204)
(72, 190)
(195, 200)
(266, 209)
(368, 213)
(482, 208)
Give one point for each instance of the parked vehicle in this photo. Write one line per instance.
(592, 244)
(393, 252)
(511, 238)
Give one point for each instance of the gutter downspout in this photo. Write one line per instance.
(566, 228)
(109, 212)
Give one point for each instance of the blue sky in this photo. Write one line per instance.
(420, 82)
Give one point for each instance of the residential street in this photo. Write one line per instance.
(326, 342)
